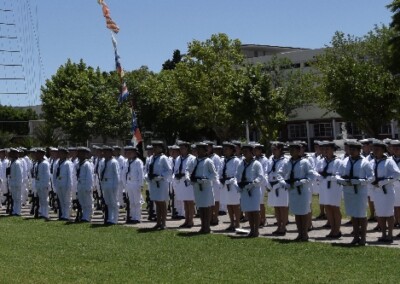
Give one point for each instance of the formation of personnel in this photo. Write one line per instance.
(207, 179)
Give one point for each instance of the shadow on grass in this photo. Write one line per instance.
(148, 230)
(190, 234)
(98, 225)
(284, 241)
(346, 245)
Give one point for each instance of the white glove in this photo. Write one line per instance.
(158, 178)
(355, 181)
(383, 182)
(300, 182)
(283, 184)
(279, 185)
(217, 182)
(146, 178)
(250, 186)
(332, 178)
(230, 181)
(203, 181)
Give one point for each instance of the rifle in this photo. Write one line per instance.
(9, 199)
(242, 184)
(291, 181)
(152, 176)
(325, 174)
(104, 207)
(57, 204)
(347, 179)
(196, 179)
(127, 206)
(150, 205)
(35, 206)
(223, 180)
(77, 206)
(375, 182)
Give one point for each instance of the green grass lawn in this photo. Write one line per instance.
(34, 251)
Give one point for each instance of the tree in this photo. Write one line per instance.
(171, 64)
(355, 80)
(15, 120)
(394, 43)
(81, 101)
(207, 78)
(267, 95)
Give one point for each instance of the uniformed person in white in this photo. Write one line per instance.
(62, 182)
(295, 175)
(330, 193)
(15, 181)
(42, 182)
(386, 172)
(229, 193)
(158, 176)
(249, 176)
(184, 190)
(84, 174)
(201, 173)
(259, 156)
(355, 173)
(278, 196)
(121, 162)
(109, 179)
(216, 185)
(133, 179)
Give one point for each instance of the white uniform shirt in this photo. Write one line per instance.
(62, 175)
(133, 172)
(84, 176)
(42, 175)
(15, 178)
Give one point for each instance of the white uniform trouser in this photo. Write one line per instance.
(180, 207)
(16, 196)
(85, 200)
(120, 196)
(135, 200)
(110, 198)
(43, 194)
(24, 191)
(64, 195)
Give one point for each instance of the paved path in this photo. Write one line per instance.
(316, 235)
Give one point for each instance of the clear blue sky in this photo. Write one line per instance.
(152, 29)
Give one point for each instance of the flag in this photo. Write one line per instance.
(110, 24)
(136, 135)
(124, 93)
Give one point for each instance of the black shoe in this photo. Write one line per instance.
(377, 228)
(372, 219)
(326, 226)
(321, 217)
(215, 223)
(221, 213)
(310, 229)
(136, 222)
(355, 241)
(338, 236)
(183, 225)
(230, 229)
(348, 223)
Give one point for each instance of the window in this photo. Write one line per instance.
(386, 129)
(255, 53)
(323, 130)
(297, 131)
(352, 129)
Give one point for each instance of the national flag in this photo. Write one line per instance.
(124, 93)
(136, 135)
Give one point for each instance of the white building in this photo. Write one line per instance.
(310, 122)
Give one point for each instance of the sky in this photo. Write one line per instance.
(150, 30)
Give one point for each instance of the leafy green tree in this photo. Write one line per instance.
(207, 78)
(355, 80)
(394, 43)
(15, 120)
(82, 102)
(171, 64)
